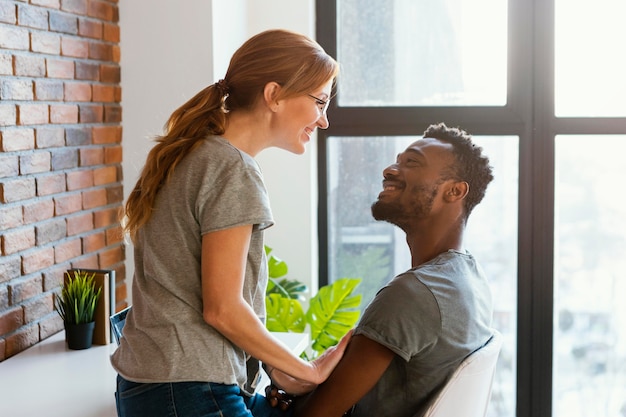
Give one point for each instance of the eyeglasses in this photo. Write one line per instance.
(322, 105)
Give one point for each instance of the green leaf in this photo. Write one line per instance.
(332, 313)
(276, 267)
(78, 299)
(284, 314)
(287, 288)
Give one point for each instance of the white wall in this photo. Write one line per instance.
(171, 50)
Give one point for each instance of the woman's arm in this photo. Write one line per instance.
(224, 255)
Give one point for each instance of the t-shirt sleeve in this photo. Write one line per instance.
(239, 197)
(403, 316)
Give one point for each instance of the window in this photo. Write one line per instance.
(540, 85)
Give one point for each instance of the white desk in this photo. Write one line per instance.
(40, 380)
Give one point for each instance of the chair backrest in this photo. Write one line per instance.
(118, 320)
(468, 391)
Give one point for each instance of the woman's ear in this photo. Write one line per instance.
(456, 191)
(270, 94)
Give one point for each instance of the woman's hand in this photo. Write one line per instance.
(323, 365)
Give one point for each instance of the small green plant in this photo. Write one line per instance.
(332, 312)
(78, 299)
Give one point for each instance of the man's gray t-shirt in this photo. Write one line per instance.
(431, 317)
(166, 339)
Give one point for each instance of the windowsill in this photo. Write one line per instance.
(48, 379)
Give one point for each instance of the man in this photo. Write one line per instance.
(421, 325)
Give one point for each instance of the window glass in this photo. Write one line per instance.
(590, 279)
(590, 62)
(375, 251)
(422, 53)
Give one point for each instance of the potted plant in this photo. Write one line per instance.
(332, 312)
(76, 304)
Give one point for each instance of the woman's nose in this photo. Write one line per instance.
(322, 121)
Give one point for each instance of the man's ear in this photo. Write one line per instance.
(270, 93)
(456, 191)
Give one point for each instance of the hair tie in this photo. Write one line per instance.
(222, 87)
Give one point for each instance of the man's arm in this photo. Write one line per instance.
(362, 365)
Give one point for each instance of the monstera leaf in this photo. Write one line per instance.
(333, 312)
(284, 314)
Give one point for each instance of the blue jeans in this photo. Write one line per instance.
(189, 399)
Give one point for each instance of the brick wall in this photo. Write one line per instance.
(60, 157)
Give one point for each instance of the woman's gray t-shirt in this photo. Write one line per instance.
(166, 339)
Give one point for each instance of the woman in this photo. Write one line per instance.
(196, 217)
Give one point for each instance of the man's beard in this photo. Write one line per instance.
(395, 213)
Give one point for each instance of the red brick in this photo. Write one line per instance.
(48, 90)
(40, 209)
(102, 10)
(50, 184)
(94, 242)
(38, 308)
(33, 163)
(67, 204)
(21, 340)
(73, 47)
(18, 139)
(100, 51)
(8, 115)
(112, 113)
(95, 198)
(17, 190)
(77, 91)
(105, 175)
(117, 53)
(75, 6)
(110, 73)
(80, 223)
(26, 288)
(60, 68)
(37, 260)
(110, 257)
(33, 17)
(64, 158)
(107, 134)
(106, 217)
(50, 231)
(118, 93)
(29, 65)
(53, 276)
(32, 114)
(10, 267)
(87, 262)
(14, 37)
(78, 136)
(45, 43)
(63, 113)
(78, 180)
(113, 154)
(6, 63)
(49, 137)
(87, 71)
(16, 240)
(50, 325)
(111, 32)
(10, 217)
(67, 250)
(91, 156)
(90, 113)
(114, 235)
(105, 93)
(16, 89)
(90, 28)
(115, 193)
(11, 320)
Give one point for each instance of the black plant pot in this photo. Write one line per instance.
(79, 336)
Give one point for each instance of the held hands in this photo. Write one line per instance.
(322, 367)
